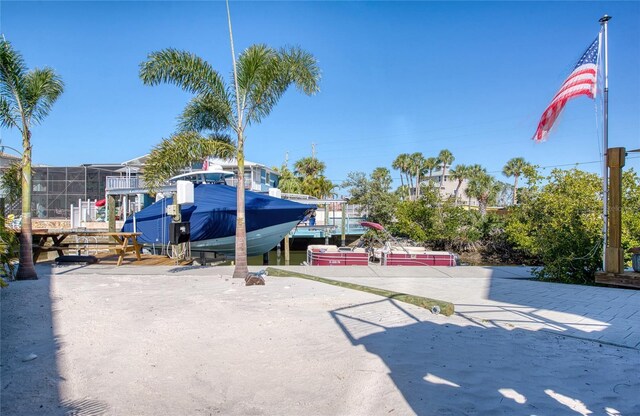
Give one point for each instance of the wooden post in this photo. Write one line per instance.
(613, 252)
(286, 250)
(111, 213)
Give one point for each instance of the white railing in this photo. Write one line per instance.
(249, 185)
(295, 196)
(123, 182)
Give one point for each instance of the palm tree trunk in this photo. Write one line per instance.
(457, 191)
(417, 183)
(241, 270)
(401, 181)
(515, 190)
(26, 269)
(410, 181)
(482, 206)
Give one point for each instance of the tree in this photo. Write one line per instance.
(630, 209)
(399, 164)
(459, 173)
(263, 75)
(288, 183)
(515, 167)
(181, 150)
(318, 187)
(26, 98)
(402, 163)
(310, 173)
(561, 225)
(309, 167)
(446, 159)
(484, 188)
(11, 182)
(373, 194)
(417, 165)
(430, 164)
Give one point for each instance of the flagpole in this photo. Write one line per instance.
(605, 138)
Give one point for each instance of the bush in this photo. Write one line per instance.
(9, 246)
(562, 226)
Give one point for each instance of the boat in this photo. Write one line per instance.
(331, 255)
(212, 220)
(416, 256)
(392, 253)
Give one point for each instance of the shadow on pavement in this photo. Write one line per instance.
(32, 386)
(445, 369)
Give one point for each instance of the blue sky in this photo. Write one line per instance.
(472, 77)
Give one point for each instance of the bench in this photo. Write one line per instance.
(121, 243)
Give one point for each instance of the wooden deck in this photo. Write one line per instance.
(145, 260)
(626, 279)
(56, 240)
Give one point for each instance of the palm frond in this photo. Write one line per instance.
(42, 87)
(12, 72)
(206, 112)
(180, 151)
(260, 81)
(184, 69)
(302, 69)
(7, 114)
(11, 182)
(265, 74)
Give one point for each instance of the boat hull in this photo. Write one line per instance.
(258, 241)
(327, 255)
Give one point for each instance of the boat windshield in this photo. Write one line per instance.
(202, 177)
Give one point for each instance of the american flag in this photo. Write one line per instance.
(582, 81)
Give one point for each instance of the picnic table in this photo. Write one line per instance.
(54, 240)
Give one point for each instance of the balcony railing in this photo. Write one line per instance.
(123, 182)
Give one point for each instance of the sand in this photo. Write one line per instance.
(193, 341)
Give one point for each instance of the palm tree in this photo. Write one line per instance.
(515, 167)
(459, 173)
(446, 159)
(288, 183)
(263, 75)
(475, 170)
(318, 187)
(430, 164)
(484, 188)
(26, 97)
(308, 167)
(183, 149)
(417, 165)
(402, 163)
(398, 164)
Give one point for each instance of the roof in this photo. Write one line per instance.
(4, 155)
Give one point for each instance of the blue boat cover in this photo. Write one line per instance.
(214, 214)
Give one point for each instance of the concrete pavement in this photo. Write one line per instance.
(506, 297)
(501, 296)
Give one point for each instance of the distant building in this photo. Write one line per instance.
(6, 160)
(447, 186)
(55, 189)
(131, 193)
(257, 177)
